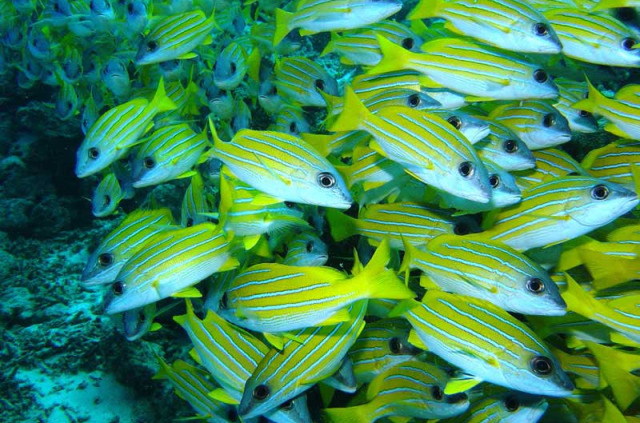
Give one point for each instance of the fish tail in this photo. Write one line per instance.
(380, 282)
(353, 115)
(608, 271)
(329, 48)
(357, 414)
(578, 300)
(160, 101)
(590, 104)
(402, 308)
(615, 369)
(425, 9)
(394, 57)
(342, 226)
(283, 19)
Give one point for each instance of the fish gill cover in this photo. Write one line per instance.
(320, 211)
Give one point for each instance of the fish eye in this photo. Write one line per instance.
(494, 180)
(407, 43)
(540, 29)
(56, 7)
(540, 76)
(548, 120)
(319, 84)
(541, 365)
(224, 301)
(232, 65)
(583, 113)
(436, 393)
(455, 122)
(511, 404)
(130, 8)
(92, 6)
(326, 180)
(460, 229)
(107, 200)
(293, 128)
(510, 146)
(232, 414)
(117, 288)
(189, 222)
(535, 285)
(628, 43)
(414, 100)
(273, 90)
(394, 345)
(309, 246)
(141, 316)
(287, 405)
(289, 204)
(261, 392)
(94, 153)
(149, 163)
(466, 169)
(105, 259)
(599, 192)
(152, 46)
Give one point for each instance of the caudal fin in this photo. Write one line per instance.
(161, 102)
(357, 414)
(353, 114)
(342, 226)
(283, 18)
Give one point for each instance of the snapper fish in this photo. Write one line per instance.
(282, 166)
(486, 342)
(306, 249)
(504, 148)
(313, 16)
(505, 407)
(108, 195)
(428, 147)
(509, 24)
(299, 80)
(110, 137)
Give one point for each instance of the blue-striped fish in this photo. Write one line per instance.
(504, 148)
(170, 262)
(123, 242)
(488, 270)
(411, 222)
(428, 147)
(231, 66)
(298, 80)
(482, 72)
(535, 122)
(509, 24)
(622, 111)
(291, 120)
(559, 210)
(484, 341)
(569, 93)
(369, 169)
(313, 16)
(551, 163)
(110, 137)
(506, 407)
(193, 385)
(594, 37)
(273, 297)
(338, 143)
(175, 37)
(107, 196)
(413, 389)
(616, 162)
(386, 98)
(381, 345)
(472, 128)
(196, 206)
(168, 153)
(283, 166)
(306, 249)
(313, 355)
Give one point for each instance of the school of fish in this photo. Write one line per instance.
(379, 220)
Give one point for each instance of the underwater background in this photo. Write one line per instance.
(70, 352)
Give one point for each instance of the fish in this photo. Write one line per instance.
(231, 67)
(505, 407)
(481, 72)
(116, 77)
(551, 163)
(535, 122)
(409, 389)
(275, 298)
(314, 16)
(399, 222)
(621, 112)
(110, 137)
(472, 128)
(67, 102)
(291, 119)
(486, 342)
(306, 249)
(107, 196)
(170, 262)
(174, 37)
(168, 153)
(299, 80)
(593, 37)
(425, 145)
(559, 210)
(512, 25)
(123, 242)
(369, 169)
(338, 143)
(282, 166)
(505, 148)
(382, 345)
(569, 93)
(314, 354)
(475, 267)
(616, 162)
(196, 207)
